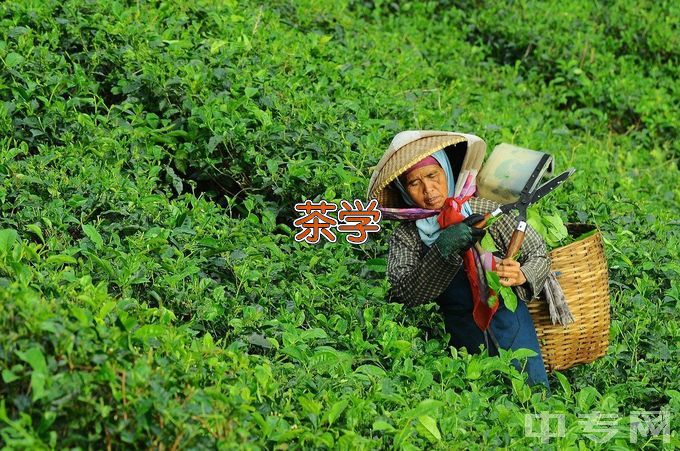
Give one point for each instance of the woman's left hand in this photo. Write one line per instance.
(509, 273)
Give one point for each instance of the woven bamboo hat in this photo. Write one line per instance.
(465, 152)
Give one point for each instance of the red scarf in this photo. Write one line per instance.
(481, 312)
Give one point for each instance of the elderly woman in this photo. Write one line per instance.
(427, 262)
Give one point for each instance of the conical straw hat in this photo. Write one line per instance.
(409, 147)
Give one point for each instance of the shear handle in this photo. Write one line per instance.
(516, 240)
(481, 224)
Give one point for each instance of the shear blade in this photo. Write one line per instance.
(537, 174)
(551, 185)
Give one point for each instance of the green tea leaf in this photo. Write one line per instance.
(583, 236)
(377, 264)
(93, 235)
(555, 230)
(61, 259)
(427, 427)
(521, 389)
(175, 179)
(509, 298)
(556, 226)
(564, 382)
(535, 220)
(106, 308)
(35, 358)
(380, 425)
(493, 280)
(7, 239)
(492, 301)
(586, 398)
(38, 382)
(427, 407)
(488, 243)
(474, 370)
(34, 228)
(259, 340)
(313, 334)
(490, 221)
(523, 353)
(13, 59)
(104, 264)
(8, 376)
(336, 410)
(371, 370)
(149, 331)
(506, 293)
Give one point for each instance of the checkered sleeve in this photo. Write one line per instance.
(417, 274)
(533, 258)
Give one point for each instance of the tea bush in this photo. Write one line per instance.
(151, 153)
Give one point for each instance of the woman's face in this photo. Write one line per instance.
(427, 186)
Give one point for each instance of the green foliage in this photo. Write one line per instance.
(488, 243)
(549, 226)
(152, 294)
(509, 297)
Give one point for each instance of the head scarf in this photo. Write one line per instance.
(429, 228)
(427, 161)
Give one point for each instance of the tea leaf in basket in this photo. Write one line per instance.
(583, 236)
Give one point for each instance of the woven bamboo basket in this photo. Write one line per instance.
(581, 270)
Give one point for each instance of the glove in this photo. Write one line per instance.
(459, 237)
(477, 234)
(474, 219)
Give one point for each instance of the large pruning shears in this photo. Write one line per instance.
(529, 195)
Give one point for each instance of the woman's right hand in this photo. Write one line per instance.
(460, 237)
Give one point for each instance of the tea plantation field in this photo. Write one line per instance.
(152, 294)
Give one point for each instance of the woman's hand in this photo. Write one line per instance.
(509, 273)
(460, 237)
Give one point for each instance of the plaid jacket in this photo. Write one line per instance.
(418, 274)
